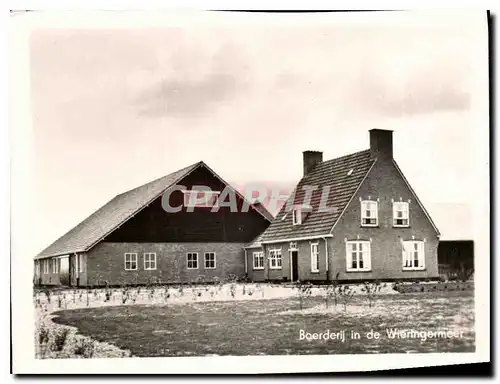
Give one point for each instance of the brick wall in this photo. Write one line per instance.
(384, 183)
(105, 262)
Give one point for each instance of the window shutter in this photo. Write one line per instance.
(348, 259)
(367, 257)
(404, 253)
(421, 254)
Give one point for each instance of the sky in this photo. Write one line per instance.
(113, 108)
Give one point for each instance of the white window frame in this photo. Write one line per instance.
(360, 249)
(296, 216)
(405, 213)
(211, 198)
(54, 265)
(314, 257)
(37, 268)
(45, 266)
(259, 257)
(274, 257)
(132, 259)
(364, 210)
(150, 261)
(192, 261)
(409, 255)
(215, 260)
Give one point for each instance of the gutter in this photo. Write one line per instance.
(296, 239)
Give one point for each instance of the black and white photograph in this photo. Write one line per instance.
(219, 185)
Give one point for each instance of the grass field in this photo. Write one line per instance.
(272, 327)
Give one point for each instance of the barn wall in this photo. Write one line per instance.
(105, 263)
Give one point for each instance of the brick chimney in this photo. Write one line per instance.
(381, 144)
(311, 159)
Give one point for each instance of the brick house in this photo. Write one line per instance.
(355, 217)
(133, 240)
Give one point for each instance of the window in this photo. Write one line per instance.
(296, 216)
(209, 260)
(55, 265)
(275, 258)
(80, 263)
(131, 261)
(45, 266)
(314, 258)
(413, 255)
(358, 256)
(192, 260)
(37, 268)
(400, 213)
(149, 261)
(200, 198)
(258, 260)
(369, 213)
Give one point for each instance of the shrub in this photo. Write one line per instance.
(60, 338)
(304, 290)
(345, 294)
(232, 289)
(85, 348)
(331, 291)
(371, 291)
(43, 335)
(47, 294)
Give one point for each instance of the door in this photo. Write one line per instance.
(295, 265)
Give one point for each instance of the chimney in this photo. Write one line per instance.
(311, 159)
(381, 144)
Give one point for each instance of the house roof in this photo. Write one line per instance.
(263, 210)
(343, 175)
(117, 211)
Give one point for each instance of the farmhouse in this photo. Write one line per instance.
(352, 218)
(134, 240)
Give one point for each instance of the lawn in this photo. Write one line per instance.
(272, 327)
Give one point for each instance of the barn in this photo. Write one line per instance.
(171, 230)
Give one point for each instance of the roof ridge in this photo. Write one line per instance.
(344, 156)
(161, 177)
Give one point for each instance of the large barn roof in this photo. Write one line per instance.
(117, 211)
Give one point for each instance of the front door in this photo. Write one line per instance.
(295, 265)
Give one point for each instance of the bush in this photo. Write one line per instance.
(345, 294)
(60, 338)
(85, 348)
(371, 291)
(43, 335)
(304, 290)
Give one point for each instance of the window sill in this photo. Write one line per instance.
(192, 269)
(413, 269)
(258, 269)
(275, 268)
(369, 226)
(315, 271)
(358, 270)
(210, 268)
(150, 269)
(400, 226)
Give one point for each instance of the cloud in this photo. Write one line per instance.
(187, 95)
(177, 98)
